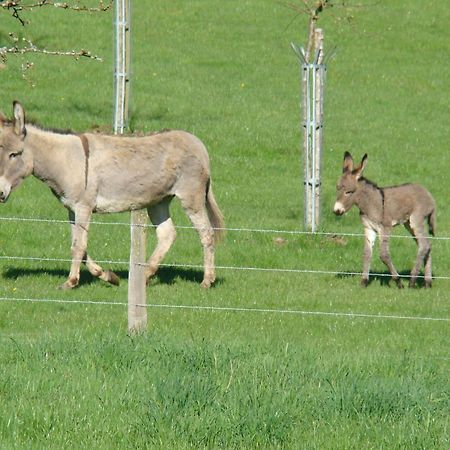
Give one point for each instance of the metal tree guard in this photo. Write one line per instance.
(137, 311)
(122, 59)
(313, 81)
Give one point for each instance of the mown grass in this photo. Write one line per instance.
(208, 378)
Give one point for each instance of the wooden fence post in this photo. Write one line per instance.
(137, 295)
(137, 311)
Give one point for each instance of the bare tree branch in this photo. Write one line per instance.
(29, 47)
(18, 6)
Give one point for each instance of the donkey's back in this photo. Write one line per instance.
(136, 172)
(409, 203)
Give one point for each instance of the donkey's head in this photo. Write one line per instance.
(347, 185)
(14, 164)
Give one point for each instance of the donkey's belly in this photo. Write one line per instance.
(106, 205)
(126, 203)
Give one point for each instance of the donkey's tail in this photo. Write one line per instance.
(214, 214)
(432, 222)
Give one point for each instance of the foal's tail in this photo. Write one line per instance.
(214, 213)
(432, 222)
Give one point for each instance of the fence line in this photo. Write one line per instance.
(335, 314)
(239, 268)
(232, 229)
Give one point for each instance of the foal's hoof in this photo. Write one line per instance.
(364, 282)
(399, 283)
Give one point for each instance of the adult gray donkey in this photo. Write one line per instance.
(381, 209)
(102, 173)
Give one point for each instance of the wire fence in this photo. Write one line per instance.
(223, 267)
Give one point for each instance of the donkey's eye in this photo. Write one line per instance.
(349, 192)
(14, 155)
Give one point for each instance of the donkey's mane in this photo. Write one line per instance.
(374, 185)
(50, 129)
(70, 131)
(370, 183)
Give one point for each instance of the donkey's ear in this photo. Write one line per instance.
(348, 163)
(359, 170)
(19, 119)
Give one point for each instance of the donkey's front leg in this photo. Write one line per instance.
(386, 257)
(79, 220)
(370, 237)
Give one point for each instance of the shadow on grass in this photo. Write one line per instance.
(165, 275)
(384, 278)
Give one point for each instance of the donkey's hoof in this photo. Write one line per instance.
(206, 284)
(412, 284)
(364, 282)
(399, 284)
(112, 278)
(428, 284)
(69, 284)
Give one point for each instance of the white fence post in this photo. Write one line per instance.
(137, 311)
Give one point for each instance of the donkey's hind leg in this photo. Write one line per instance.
(200, 220)
(165, 233)
(386, 256)
(416, 228)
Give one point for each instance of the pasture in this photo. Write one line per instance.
(286, 350)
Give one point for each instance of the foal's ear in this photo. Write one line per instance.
(19, 119)
(359, 170)
(348, 163)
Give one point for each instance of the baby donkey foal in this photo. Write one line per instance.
(381, 209)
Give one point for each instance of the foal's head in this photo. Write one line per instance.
(347, 186)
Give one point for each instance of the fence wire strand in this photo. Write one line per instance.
(226, 229)
(232, 309)
(219, 267)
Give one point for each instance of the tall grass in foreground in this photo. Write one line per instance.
(107, 390)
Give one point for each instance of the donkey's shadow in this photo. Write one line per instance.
(164, 275)
(385, 278)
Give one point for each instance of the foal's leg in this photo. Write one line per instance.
(370, 237)
(165, 233)
(416, 228)
(428, 275)
(386, 256)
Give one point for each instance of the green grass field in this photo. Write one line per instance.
(266, 358)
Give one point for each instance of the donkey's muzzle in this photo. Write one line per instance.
(338, 209)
